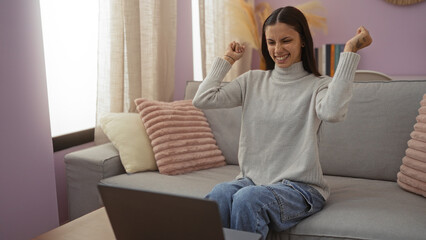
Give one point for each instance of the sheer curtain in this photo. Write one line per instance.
(215, 30)
(136, 57)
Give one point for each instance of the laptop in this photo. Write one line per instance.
(139, 214)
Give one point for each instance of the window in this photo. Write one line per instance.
(196, 41)
(70, 36)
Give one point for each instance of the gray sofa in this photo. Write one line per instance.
(360, 158)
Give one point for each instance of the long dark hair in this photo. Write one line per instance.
(295, 18)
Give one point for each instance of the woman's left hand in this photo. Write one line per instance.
(361, 40)
(234, 52)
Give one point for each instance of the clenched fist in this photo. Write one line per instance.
(234, 52)
(361, 40)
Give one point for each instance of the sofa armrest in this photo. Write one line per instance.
(84, 169)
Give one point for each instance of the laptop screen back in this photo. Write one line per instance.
(136, 214)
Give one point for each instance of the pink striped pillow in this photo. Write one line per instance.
(180, 136)
(412, 174)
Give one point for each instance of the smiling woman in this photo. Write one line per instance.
(282, 108)
(284, 44)
(70, 36)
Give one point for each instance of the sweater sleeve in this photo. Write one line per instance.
(332, 99)
(212, 94)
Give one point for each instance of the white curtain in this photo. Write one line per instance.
(136, 57)
(215, 30)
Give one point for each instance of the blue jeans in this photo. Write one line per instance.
(247, 207)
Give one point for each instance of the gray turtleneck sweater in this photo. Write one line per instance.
(281, 113)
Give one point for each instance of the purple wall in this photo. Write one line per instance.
(183, 64)
(399, 34)
(28, 204)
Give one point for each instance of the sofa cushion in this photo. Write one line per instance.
(371, 142)
(194, 184)
(180, 135)
(127, 133)
(365, 209)
(412, 174)
(356, 208)
(226, 125)
(191, 89)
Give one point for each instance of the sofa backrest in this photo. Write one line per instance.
(370, 143)
(372, 140)
(225, 124)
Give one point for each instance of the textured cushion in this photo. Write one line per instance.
(372, 140)
(180, 135)
(128, 135)
(412, 175)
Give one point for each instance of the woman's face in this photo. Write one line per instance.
(284, 44)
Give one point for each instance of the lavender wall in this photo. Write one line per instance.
(399, 33)
(28, 204)
(183, 63)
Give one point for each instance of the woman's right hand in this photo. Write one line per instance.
(234, 52)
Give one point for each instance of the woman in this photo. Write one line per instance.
(281, 181)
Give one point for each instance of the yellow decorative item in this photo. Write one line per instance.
(248, 21)
(245, 25)
(314, 21)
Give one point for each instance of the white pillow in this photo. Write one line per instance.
(127, 133)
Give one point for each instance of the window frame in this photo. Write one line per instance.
(66, 141)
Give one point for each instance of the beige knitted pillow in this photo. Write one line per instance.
(128, 135)
(180, 136)
(412, 174)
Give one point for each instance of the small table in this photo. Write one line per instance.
(94, 226)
